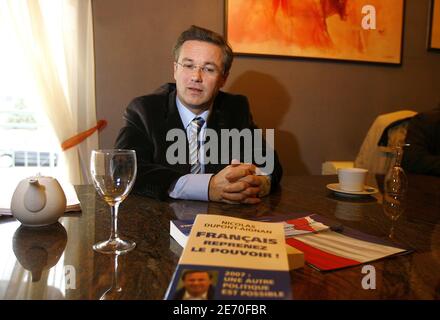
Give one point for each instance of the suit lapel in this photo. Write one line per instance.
(173, 121)
(216, 121)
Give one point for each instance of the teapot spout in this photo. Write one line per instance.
(35, 196)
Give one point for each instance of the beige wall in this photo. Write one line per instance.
(321, 110)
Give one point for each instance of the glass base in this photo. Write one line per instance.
(114, 246)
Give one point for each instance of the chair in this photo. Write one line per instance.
(376, 153)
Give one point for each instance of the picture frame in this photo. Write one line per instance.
(365, 31)
(434, 26)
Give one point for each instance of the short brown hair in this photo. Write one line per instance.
(190, 271)
(201, 34)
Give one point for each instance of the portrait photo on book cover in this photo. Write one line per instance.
(196, 285)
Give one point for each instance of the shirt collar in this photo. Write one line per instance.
(187, 116)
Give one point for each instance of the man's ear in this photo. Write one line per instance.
(175, 70)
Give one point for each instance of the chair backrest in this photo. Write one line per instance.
(386, 131)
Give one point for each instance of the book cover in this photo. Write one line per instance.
(293, 225)
(231, 258)
(180, 229)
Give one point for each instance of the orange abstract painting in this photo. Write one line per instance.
(361, 30)
(434, 40)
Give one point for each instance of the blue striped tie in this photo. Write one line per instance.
(194, 144)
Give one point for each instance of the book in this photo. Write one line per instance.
(324, 244)
(231, 258)
(293, 225)
(180, 229)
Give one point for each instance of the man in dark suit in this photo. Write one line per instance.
(196, 106)
(197, 285)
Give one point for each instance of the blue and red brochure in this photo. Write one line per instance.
(326, 245)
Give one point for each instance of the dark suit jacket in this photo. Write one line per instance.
(147, 121)
(423, 136)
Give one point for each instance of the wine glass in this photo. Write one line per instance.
(395, 188)
(113, 173)
(115, 291)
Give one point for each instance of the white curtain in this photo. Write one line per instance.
(56, 37)
(55, 42)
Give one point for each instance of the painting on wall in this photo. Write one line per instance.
(434, 26)
(355, 30)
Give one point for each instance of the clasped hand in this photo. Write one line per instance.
(238, 183)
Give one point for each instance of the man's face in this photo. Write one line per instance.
(197, 283)
(196, 88)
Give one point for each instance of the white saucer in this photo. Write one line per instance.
(367, 190)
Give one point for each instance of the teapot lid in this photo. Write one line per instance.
(39, 176)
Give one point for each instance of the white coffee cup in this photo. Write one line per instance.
(352, 179)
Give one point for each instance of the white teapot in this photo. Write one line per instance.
(38, 201)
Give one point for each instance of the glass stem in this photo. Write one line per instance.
(116, 276)
(399, 154)
(114, 231)
(391, 236)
